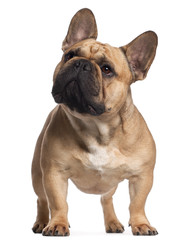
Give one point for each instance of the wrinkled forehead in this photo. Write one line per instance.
(94, 50)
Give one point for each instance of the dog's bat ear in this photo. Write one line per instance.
(140, 54)
(82, 26)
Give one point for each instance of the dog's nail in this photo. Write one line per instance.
(155, 233)
(150, 233)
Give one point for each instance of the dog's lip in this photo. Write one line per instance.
(95, 110)
(92, 110)
(55, 91)
(57, 97)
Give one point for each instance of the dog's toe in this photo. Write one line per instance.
(143, 229)
(38, 227)
(56, 230)
(114, 227)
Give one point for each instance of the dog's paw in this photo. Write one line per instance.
(38, 227)
(56, 230)
(114, 227)
(143, 229)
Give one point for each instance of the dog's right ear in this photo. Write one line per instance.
(82, 26)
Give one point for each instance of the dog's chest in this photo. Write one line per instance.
(100, 170)
(104, 158)
(99, 157)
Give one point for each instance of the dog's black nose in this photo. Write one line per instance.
(82, 65)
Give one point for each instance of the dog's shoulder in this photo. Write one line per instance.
(55, 121)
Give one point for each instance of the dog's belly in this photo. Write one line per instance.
(96, 181)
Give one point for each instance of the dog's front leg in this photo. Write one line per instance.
(56, 191)
(139, 188)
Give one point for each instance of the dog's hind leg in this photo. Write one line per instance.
(112, 224)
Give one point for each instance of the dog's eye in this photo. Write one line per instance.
(107, 70)
(68, 56)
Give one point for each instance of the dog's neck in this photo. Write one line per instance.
(101, 130)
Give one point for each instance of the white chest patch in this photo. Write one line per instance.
(99, 157)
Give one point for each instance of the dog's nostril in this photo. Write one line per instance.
(86, 67)
(77, 64)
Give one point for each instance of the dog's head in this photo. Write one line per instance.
(94, 78)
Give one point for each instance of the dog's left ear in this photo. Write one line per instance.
(82, 26)
(140, 54)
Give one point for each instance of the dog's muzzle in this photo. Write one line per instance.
(77, 87)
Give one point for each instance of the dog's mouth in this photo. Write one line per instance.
(88, 108)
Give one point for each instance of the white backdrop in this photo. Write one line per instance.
(30, 48)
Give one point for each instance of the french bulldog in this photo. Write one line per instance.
(95, 136)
